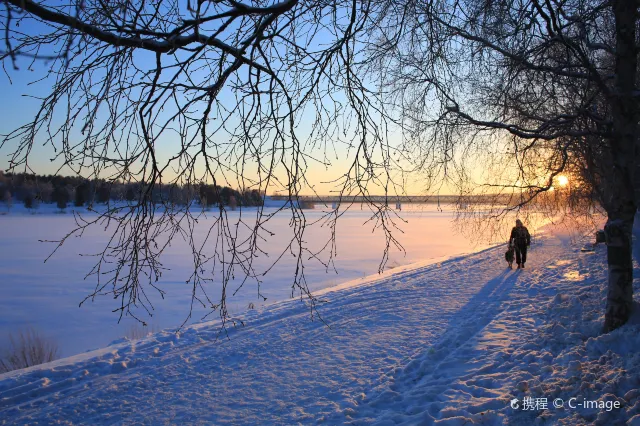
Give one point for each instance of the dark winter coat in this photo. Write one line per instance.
(520, 236)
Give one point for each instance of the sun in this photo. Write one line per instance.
(563, 180)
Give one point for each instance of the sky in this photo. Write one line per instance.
(20, 92)
(21, 104)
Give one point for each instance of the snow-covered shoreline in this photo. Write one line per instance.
(448, 343)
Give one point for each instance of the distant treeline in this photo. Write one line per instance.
(461, 201)
(391, 199)
(32, 189)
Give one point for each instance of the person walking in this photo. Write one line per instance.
(520, 240)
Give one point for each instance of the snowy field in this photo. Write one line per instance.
(45, 296)
(451, 343)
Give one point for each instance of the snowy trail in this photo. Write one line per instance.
(538, 338)
(466, 366)
(449, 343)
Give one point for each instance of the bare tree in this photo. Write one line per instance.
(249, 94)
(527, 90)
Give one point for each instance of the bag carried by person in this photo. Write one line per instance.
(509, 255)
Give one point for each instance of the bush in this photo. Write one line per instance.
(26, 350)
(139, 331)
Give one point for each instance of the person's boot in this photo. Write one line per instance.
(522, 265)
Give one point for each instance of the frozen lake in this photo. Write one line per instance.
(46, 296)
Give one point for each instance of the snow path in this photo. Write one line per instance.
(543, 341)
(472, 364)
(449, 343)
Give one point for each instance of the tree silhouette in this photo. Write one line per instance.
(255, 93)
(60, 197)
(28, 201)
(529, 91)
(81, 195)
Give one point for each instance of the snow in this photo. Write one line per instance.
(447, 343)
(45, 296)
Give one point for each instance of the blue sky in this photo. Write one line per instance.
(20, 105)
(18, 109)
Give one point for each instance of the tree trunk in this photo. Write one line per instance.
(622, 202)
(619, 258)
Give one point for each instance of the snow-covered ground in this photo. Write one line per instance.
(453, 343)
(45, 296)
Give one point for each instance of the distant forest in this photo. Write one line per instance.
(31, 189)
